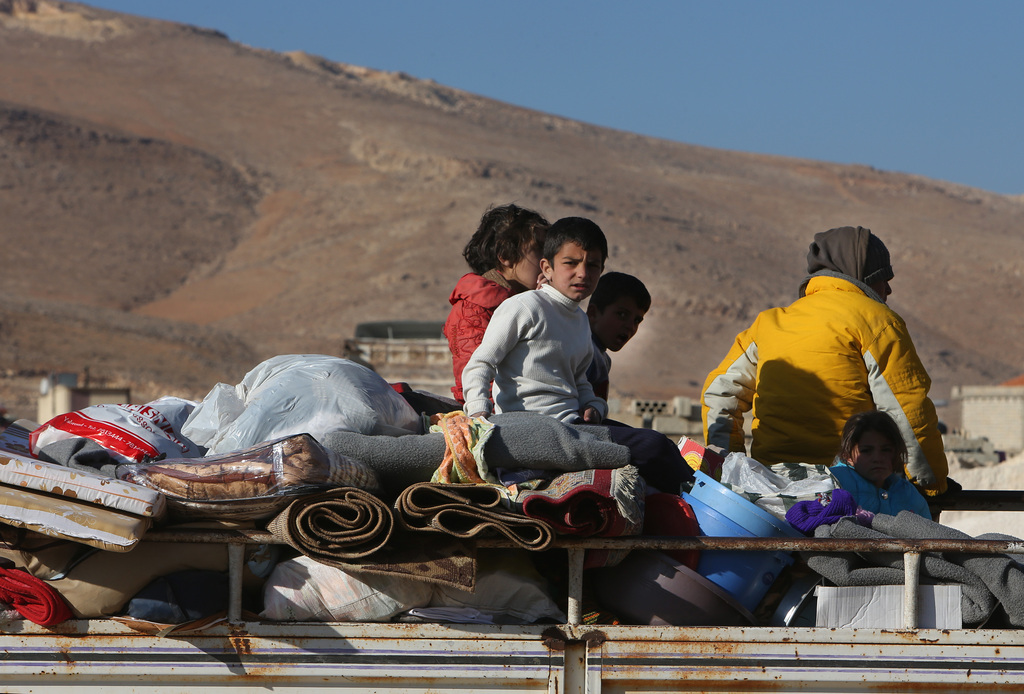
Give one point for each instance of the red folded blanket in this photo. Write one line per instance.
(32, 598)
(588, 503)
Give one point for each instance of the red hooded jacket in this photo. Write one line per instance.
(473, 302)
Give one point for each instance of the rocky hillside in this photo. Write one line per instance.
(177, 207)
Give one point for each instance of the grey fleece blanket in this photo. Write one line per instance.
(988, 580)
(519, 440)
(81, 454)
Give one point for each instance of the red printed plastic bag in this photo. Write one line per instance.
(131, 433)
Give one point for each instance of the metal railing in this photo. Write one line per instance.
(912, 549)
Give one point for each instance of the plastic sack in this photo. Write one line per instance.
(778, 487)
(131, 433)
(508, 589)
(295, 394)
(303, 590)
(253, 483)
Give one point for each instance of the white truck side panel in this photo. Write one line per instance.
(398, 658)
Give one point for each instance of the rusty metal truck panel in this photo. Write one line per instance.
(241, 653)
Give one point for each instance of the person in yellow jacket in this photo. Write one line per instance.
(806, 368)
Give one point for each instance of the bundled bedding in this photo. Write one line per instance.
(75, 504)
(251, 484)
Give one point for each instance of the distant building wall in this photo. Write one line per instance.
(61, 399)
(674, 418)
(994, 412)
(413, 352)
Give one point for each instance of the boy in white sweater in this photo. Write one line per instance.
(537, 346)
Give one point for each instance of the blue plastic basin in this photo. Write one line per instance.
(747, 576)
(759, 522)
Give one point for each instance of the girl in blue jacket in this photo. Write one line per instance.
(870, 463)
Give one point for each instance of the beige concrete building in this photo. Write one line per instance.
(995, 413)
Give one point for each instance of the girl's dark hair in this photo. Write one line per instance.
(505, 233)
(877, 421)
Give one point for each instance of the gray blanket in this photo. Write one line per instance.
(81, 454)
(519, 440)
(987, 580)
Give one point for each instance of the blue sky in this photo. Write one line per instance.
(931, 87)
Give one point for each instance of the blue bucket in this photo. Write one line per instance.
(712, 522)
(752, 517)
(747, 576)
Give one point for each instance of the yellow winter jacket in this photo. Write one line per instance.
(806, 368)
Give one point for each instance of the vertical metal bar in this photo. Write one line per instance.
(236, 562)
(594, 669)
(575, 607)
(912, 573)
(575, 668)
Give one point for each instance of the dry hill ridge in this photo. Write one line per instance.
(177, 207)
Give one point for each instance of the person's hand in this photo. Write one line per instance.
(591, 416)
(952, 488)
(479, 415)
(541, 281)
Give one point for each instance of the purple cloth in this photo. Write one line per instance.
(805, 516)
(862, 517)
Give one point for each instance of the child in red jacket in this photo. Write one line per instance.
(504, 255)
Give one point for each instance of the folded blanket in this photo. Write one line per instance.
(1002, 574)
(251, 484)
(336, 526)
(540, 442)
(518, 440)
(464, 439)
(886, 568)
(605, 503)
(81, 454)
(443, 560)
(468, 511)
(32, 598)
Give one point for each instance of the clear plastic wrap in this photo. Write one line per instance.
(251, 483)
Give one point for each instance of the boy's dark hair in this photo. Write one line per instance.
(614, 285)
(579, 230)
(504, 234)
(877, 421)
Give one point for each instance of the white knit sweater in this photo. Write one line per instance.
(536, 349)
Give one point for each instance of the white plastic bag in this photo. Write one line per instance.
(776, 488)
(299, 394)
(131, 433)
(508, 590)
(302, 589)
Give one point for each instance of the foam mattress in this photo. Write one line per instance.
(75, 505)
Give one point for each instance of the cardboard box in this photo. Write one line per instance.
(881, 607)
(700, 458)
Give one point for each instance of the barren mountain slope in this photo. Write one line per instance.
(252, 203)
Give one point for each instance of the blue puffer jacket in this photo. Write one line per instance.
(897, 495)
